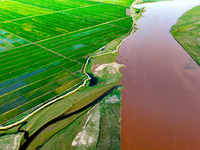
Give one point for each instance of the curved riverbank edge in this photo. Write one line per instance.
(179, 42)
(191, 25)
(3, 128)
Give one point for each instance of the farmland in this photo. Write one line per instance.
(43, 48)
(48, 51)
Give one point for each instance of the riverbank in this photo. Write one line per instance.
(185, 31)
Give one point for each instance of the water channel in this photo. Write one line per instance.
(161, 99)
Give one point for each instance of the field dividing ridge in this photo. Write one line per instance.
(42, 55)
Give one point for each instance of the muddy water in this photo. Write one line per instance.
(161, 100)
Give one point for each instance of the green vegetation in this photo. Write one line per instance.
(147, 1)
(64, 45)
(67, 126)
(186, 32)
(84, 132)
(10, 141)
(8, 41)
(117, 2)
(54, 24)
(11, 10)
(57, 5)
(43, 51)
(150, 1)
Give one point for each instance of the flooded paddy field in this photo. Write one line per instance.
(161, 99)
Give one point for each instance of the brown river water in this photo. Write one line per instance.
(161, 99)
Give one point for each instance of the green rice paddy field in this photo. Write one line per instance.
(44, 46)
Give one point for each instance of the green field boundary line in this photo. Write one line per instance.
(84, 39)
(55, 52)
(19, 58)
(31, 5)
(42, 86)
(3, 46)
(54, 47)
(82, 85)
(16, 36)
(51, 51)
(15, 48)
(30, 101)
(62, 40)
(62, 34)
(29, 85)
(12, 40)
(73, 73)
(48, 13)
(33, 83)
(7, 43)
(82, 29)
(48, 100)
(26, 17)
(27, 65)
(118, 26)
(60, 66)
(51, 102)
(40, 73)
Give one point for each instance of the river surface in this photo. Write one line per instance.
(161, 100)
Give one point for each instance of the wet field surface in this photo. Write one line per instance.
(161, 100)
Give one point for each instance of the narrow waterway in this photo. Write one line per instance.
(161, 99)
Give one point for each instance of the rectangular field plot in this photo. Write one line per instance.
(13, 10)
(38, 28)
(101, 13)
(42, 56)
(124, 23)
(46, 26)
(58, 4)
(84, 42)
(8, 41)
(31, 74)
